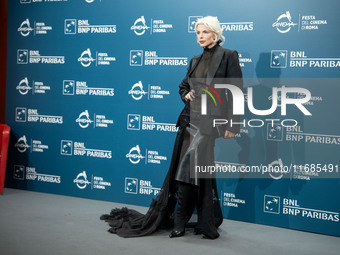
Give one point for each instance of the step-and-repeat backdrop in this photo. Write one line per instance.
(92, 100)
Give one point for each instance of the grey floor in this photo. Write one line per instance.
(43, 224)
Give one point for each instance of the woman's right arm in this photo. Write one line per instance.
(184, 87)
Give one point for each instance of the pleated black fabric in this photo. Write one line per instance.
(130, 223)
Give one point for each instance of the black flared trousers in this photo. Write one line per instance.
(186, 197)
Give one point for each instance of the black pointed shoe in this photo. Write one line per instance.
(176, 233)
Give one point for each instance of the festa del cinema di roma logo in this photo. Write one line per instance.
(102, 58)
(139, 26)
(85, 58)
(135, 155)
(81, 180)
(284, 23)
(25, 28)
(238, 103)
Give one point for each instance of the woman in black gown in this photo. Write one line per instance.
(194, 146)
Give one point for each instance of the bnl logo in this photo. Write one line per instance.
(192, 23)
(66, 147)
(131, 185)
(68, 87)
(274, 132)
(19, 172)
(136, 57)
(271, 204)
(22, 57)
(278, 59)
(70, 26)
(133, 122)
(20, 114)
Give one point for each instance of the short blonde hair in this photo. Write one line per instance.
(214, 25)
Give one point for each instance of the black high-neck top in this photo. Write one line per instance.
(200, 75)
(202, 67)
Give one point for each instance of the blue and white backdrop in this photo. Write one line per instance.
(92, 100)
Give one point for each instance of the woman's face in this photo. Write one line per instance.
(205, 37)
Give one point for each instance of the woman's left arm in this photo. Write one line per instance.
(234, 73)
